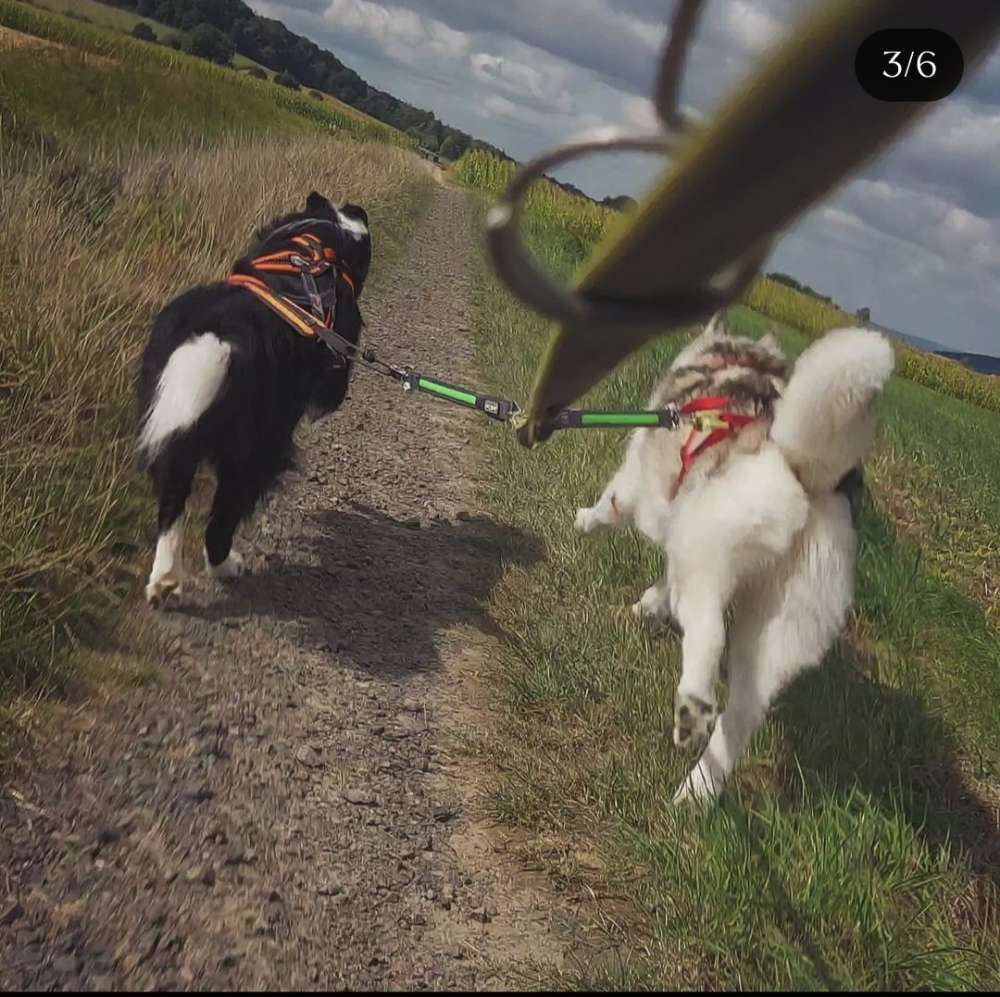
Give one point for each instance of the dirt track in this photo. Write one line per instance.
(290, 808)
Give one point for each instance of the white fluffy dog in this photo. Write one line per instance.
(753, 521)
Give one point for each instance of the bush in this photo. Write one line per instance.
(144, 32)
(315, 94)
(285, 79)
(256, 72)
(208, 42)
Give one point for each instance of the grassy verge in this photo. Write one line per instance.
(119, 19)
(100, 223)
(858, 846)
(59, 74)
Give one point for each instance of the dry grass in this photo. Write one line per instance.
(90, 246)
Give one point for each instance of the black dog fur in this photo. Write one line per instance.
(274, 377)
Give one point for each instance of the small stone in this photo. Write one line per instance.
(148, 943)
(66, 964)
(10, 912)
(201, 874)
(309, 757)
(198, 792)
(240, 856)
(360, 797)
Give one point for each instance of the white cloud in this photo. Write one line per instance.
(542, 87)
(751, 26)
(915, 236)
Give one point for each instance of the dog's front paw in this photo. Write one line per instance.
(160, 590)
(586, 520)
(701, 786)
(232, 567)
(694, 721)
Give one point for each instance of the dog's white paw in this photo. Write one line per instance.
(701, 786)
(585, 520)
(654, 604)
(160, 590)
(232, 567)
(694, 721)
(692, 791)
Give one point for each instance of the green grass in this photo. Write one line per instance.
(122, 183)
(114, 90)
(105, 16)
(858, 846)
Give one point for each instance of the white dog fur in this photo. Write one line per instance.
(755, 526)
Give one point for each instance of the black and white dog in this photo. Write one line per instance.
(225, 380)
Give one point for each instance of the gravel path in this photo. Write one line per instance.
(290, 807)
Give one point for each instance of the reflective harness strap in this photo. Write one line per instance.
(314, 260)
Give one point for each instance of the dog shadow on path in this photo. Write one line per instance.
(375, 591)
(848, 732)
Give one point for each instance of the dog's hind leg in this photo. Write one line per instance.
(172, 473)
(655, 603)
(235, 498)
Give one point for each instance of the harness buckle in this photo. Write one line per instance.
(706, 422)
(309, 283)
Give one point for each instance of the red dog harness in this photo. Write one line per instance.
(710, 414)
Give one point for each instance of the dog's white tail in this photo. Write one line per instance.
(188, 385)
(825, 420)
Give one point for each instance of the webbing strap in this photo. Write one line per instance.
(299, 319)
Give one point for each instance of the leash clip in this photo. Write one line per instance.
(705, 422)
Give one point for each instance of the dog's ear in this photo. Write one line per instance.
(317, 204)
(355, 211)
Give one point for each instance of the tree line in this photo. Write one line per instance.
(217, 29)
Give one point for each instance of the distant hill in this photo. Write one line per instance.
(301, 62)
(620, 203)
(979, 362)
(789, 281)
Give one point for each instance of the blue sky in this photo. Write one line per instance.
(915, 237)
